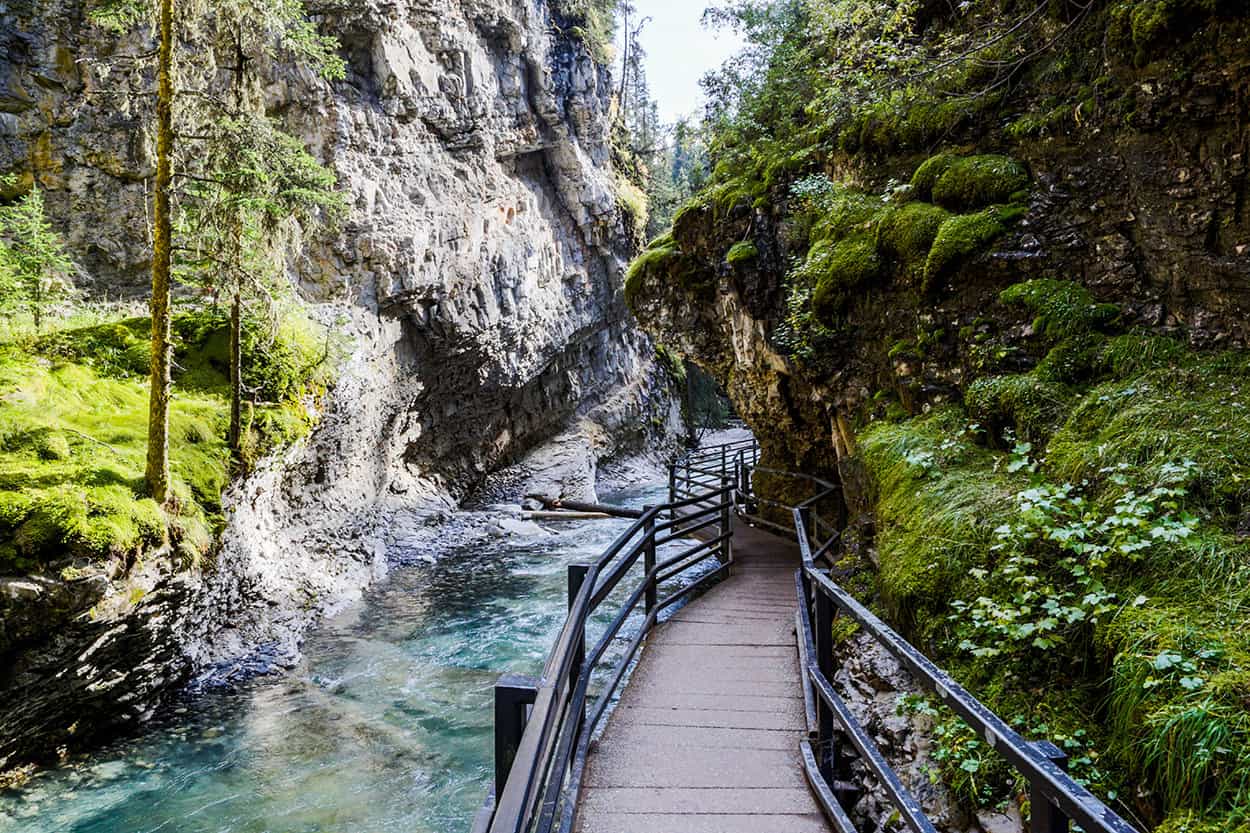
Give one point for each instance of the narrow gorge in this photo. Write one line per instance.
(620, 416)
(474, 294)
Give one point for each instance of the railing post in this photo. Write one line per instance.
(724, 462)
(648, 559)
(672, 482)
(823, 627)
(1045, 817)
(805, 514)
(577, 575)
(726, 521)
(514, 694)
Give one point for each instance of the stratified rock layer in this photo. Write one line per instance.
(479, 278)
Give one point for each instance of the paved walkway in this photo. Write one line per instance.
(706, 736)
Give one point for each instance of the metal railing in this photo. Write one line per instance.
(544, 725)
(703, 470)
(1055, 799)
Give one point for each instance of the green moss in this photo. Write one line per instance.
(1183, 410)
(73, 437)
(838, 269)
(845, 212)
(673, 363)
(926, 176)
(652, 262)
(741, 252)
(972, 182)
(1063, 308)
(1148, 27)
(1133, 353)
(960, 238)
(121, 349)
(1075, 359)
(906, 233)
(937, 500)
(1029, 405)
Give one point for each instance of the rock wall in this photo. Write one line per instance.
(1147, 210)
(478, 277)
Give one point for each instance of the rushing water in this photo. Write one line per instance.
(385, 725)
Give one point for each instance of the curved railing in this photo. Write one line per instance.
(544, 725)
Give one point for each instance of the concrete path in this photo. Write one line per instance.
(706, 736)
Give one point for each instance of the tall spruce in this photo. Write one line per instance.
(243, 177)
(160, 382)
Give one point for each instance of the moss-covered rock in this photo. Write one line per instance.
(906, 233)
(741, 252)
(1031, 406)
(1063, 308)
(653, 261)
(960, 238)
(838, 268)
(937, 497)
(926, 176)
(972, 182)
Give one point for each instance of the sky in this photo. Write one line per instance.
(679, 50)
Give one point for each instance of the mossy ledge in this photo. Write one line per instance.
(73, 437)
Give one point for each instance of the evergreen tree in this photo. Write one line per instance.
(235, 170)
(34, 265)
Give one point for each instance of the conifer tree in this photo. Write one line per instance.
(34, 264)
(241, 199)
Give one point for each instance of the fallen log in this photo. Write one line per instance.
(557, 515)
(583, 506)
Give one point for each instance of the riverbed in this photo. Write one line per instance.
(384, 725)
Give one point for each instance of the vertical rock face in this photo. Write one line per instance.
(479, 276)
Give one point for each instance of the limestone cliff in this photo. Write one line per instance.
(478, 279)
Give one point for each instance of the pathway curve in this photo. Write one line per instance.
(706, 736)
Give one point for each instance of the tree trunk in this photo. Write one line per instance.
(157, 475)
(236, 378)
(620, 98)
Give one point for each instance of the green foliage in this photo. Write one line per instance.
(972, 182)
(741, 252)
(73, 435)
(1188, 409)
(1100, 563)
(273, 28)
(937, 497)
(1063, 308)
(672, 362)
(34, 264)
(593, 22)
(118, 16)
(1053, 558)
(1147, 27)
(906, 233)
(1031, 406)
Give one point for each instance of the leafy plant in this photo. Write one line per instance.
(1055, 555)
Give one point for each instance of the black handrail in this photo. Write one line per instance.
(1055, 797)
(543, 729)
